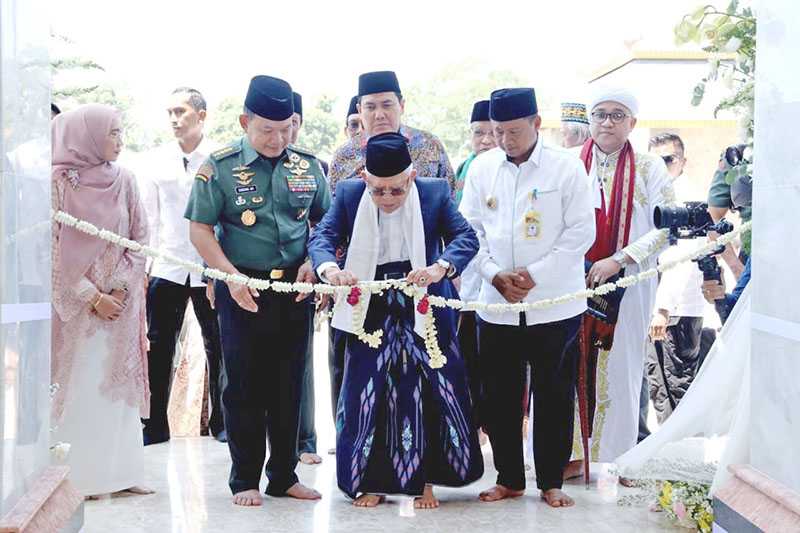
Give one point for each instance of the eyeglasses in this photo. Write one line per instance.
(598, 117)
(392, 191)
(670, 159)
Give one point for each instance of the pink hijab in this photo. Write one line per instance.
(93, 190)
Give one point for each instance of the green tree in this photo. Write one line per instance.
(320, 132)
(442, 105)
(224, 125)
(80, 80)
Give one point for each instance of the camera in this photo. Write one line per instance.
(742, 182)
(687, 222)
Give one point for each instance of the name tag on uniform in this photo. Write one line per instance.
(249, 188)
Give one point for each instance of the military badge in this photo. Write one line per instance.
(248, 217)
(205, 172)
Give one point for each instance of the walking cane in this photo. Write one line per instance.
(583, 398)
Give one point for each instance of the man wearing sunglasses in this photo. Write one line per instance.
(677, 323)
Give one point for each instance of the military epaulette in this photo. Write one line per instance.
(229, 150)
(300, 150)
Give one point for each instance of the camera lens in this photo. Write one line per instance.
(733, 155)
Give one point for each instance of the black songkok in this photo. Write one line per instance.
(387, 155)
(270, 98)
(384, 81)
(511, 104)
(480, 111)
(353, 109)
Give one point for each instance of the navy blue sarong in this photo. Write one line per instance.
(401, 424)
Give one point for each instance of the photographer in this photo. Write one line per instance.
(677, 323)
(739, 196)
(720, 201)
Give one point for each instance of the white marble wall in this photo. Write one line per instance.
(24, 246)
(775, 437)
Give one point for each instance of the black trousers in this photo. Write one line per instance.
(672, 364)
(264, 355)
(504, 351)
(166, 308)
(337, 344)
(307, 437)
(468, 342)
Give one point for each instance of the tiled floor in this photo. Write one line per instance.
(190, 478)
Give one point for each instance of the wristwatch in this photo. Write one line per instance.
(620, 258)
(448, 268)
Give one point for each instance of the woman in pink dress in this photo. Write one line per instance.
(99, 356)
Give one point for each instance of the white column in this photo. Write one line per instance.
(24, 247)
(775, 416)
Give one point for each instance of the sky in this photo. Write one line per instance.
(320, 47)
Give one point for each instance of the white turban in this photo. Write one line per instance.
(619, 95)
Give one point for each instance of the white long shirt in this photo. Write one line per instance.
(392, 240)
(166, 186)
(548, 232)
(680, 289)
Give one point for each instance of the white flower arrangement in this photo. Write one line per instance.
(377, 287)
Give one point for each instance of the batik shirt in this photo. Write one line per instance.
(427, 154)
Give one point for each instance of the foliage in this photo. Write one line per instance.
(321, 129)
(80, 80)
(732, 31)
(319, 133)
(442, 105)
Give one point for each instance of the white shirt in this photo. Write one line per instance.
(680, 289)
(392, 240)
(393, 243)
(165, 193)
(548, 234)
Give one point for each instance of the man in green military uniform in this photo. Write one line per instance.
(250, 209)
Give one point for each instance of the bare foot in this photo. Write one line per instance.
(574, 469)
(427, 500)
(308, 458)
(499, 492)
(139, 490)
(557, 498)
(248, 498)
(369, 500)
(301, 492)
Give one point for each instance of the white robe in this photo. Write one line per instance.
(620, 370)
(106, 452)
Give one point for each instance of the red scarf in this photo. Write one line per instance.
(613, 231)
(613, 225)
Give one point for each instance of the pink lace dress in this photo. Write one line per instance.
(100, 366)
